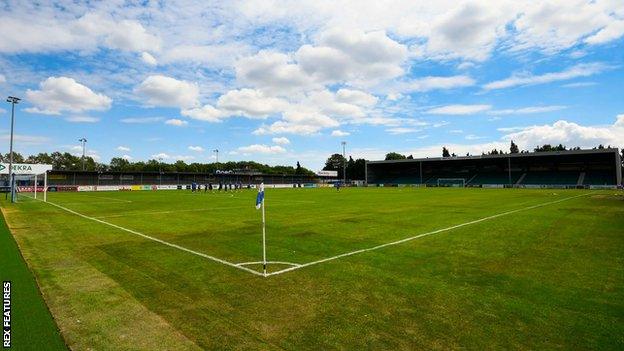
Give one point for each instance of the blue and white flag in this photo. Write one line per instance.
(260, 197)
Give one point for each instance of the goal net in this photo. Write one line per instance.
(28, 187)
(452, 182)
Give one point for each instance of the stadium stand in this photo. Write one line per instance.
(482, 178)
(577, 168)
(598, 178)
(74, 178)
(552, 178)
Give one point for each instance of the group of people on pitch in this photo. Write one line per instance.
(221, 186)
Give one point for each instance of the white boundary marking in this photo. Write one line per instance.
(422, 235)
(273, 262)
(296, 266)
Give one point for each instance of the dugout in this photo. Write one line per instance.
(575, 168)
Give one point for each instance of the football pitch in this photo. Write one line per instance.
(363, 268)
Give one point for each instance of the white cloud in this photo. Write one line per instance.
(205, 113)
(123, 148)
(352, 55)
(401, 130)
(165, 91)
(339, 55)
(55, 31)
(527, 110)
(339, 133)
(332, 104)
(2, 78)
(443, 29)
(196, 148)
(131, 36)
(166, 156)
(149, 59)
(283, 127)
(473, 137)
(161, 155)
(21, 139)
(271, 71)
(261, 149)
(176, 122)
(579, 84)
(219, 55)
(82, 119)
(612, 31)
(250, 103)
(556, 25)
(76, 150)
(570, 134)
(469, 30)
(580, 70)
(356, 97)
(281, 141)
(57, 94)
(141, 120)
(127, 157)
(433, 83)
(458, 109)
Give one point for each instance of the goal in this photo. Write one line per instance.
(452, 182)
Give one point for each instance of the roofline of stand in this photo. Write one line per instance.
(508, 155)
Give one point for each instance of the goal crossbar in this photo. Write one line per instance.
(452, 182)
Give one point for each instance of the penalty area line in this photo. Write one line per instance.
(182, 248)
(303, 265)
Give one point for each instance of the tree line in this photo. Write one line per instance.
(69, 162)
(513, 149)
(355, 169)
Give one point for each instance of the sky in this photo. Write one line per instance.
(286, 81)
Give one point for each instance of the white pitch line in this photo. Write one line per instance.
(215, 259)
(421, 235)
(269, 262)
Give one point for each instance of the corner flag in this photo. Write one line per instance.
(260, 203)
(260, 197)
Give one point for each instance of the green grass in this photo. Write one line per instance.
(546, 278)
(32, 325)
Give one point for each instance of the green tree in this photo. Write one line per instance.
(445, 152)
(394, 156)
(335, 163)
(513, 148)
(39, 158)
(119, 164)
(17, 157)
(298, 170)
(548, 147)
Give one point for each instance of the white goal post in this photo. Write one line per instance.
(27, 171)
(452, 182)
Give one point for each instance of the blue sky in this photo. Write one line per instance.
(286, 81)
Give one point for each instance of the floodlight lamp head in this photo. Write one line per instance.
(13, 99)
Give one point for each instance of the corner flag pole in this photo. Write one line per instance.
(264, 262)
